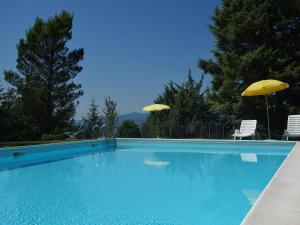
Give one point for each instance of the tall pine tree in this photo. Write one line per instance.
(46, 68)
(188, 109)
(255, 40)
(110, 117)
(92, 119)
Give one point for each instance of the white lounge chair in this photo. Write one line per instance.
(247, 129)
(293, 127)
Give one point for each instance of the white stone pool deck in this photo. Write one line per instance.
(279, 204)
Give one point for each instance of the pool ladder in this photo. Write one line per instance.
(99, 129)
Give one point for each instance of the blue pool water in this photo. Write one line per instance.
(138, 183)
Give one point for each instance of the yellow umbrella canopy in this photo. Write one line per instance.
(155, 107)
(265, 87)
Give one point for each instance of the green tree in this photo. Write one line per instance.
(1, 93)
(2, 113)
(92, 119)
(46, 68)
(255, 40)
(110, 117)
(14, 126)
(129, 129)
(188, 110)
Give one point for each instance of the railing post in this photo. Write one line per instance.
(223, 131)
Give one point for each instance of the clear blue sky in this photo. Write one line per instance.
(132, 47)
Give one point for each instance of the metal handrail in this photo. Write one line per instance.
(77, 132)
(97, 126)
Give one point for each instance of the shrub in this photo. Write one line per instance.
(129, 129)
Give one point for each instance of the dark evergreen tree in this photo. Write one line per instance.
(2, 113)
(46, 68)
(129, 129)
(92, 119)
(110, 117)
(1, 93)
(14, 125)
(188, 110)
(255, 40)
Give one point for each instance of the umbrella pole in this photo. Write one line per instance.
(268, 116)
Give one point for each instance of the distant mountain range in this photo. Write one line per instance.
(139, 118)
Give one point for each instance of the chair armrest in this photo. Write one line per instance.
(236, 131)
(285, 132)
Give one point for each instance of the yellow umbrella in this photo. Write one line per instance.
(156, 108)
(265, 87)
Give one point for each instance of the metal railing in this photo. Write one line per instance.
(202, 130)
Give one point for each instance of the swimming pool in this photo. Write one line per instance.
(137, 182)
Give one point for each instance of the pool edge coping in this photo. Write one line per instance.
(13, 148)
(279, 203)
(211, 140)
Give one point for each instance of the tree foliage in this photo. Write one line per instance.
(43, 83)
(255, 40)
(92, 119)
(187, 109)
(14, 126)
(129, 129)
(110, 117)
(2, 112)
